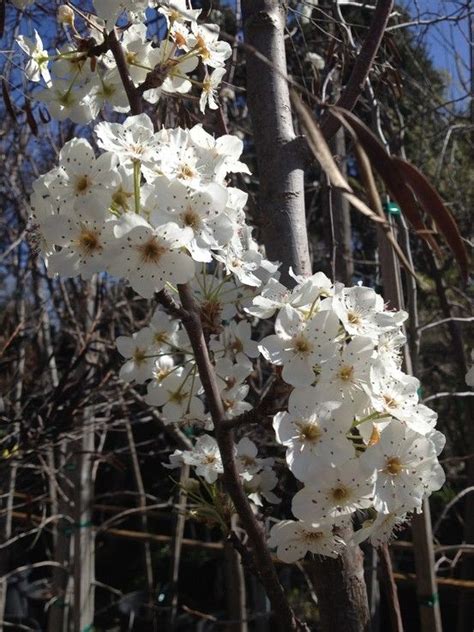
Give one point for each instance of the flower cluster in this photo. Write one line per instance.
(257, 475)
(355, 433)
(156, 208)
(148, 209)
(161, 356)
(82, 78)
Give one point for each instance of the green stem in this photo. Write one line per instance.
(137, 173)
(372, 417)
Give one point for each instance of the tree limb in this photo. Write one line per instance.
(364, 62)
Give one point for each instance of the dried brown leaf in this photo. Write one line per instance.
(323, 155)
(390, 174)
(6, 97)
(433, 205)
(30, 119)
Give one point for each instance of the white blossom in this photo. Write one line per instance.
(293, 540)
(204, 39)
(261, 487)
(300, 345)
(210, 87)
(37, 65)
(406, 469)
(205, 458)
(379, 530)
(138, 350)
(344, 375)
(339, 491)
(149, 257)
(85, 181)
(314, 434)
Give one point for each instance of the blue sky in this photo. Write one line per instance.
(447, 39)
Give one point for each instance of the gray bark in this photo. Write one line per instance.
(280, 153)
(341, 591)
(339, 583)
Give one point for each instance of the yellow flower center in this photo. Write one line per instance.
(346, 373)
(139, 355)
(161, 337)
(309, 431)
(340, 493)
(390, 402)
(191, 218)
(312, 536)
(178, 397)
(247, 460)
(393, 466)
(203, 49)
(186, 172)
(89, 241)
(82, 184)
(353, 318)
(121, 197)
(151, 251)
(302, 345)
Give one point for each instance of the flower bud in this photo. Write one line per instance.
(65, 15)
(316, 60)
(192, 486)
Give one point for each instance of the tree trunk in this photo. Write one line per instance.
(280, 153)
(281, 159)
(340, 587)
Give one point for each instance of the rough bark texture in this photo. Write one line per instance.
(339, 584)
(280, 153)
(341, 591)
